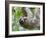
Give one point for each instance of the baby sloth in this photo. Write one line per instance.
(30, 22)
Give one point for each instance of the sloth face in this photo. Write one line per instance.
(22, 20)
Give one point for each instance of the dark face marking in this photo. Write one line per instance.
(21, 21)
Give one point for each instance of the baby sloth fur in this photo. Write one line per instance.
(30, 22)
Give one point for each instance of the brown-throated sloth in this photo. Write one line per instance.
(29, 20)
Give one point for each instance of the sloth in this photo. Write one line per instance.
(30, 22)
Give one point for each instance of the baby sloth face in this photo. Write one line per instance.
(23, 20)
